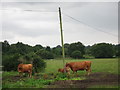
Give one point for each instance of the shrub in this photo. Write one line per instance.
(38, 64)
(10, 62)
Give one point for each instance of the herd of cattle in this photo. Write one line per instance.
(74, 66)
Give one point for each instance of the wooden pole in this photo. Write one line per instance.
(62, 42)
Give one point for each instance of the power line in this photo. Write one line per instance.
(27, 10)
(39, 11)
(90, 25)
(30, 10)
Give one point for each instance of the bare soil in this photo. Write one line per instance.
(91, 80)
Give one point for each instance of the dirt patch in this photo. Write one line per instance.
(13, 78)
(92, 79)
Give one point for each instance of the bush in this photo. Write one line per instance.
(10, 62)
(76, 54)
(38, 64)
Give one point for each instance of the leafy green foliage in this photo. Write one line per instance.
(45, 54)
(76, 46)
(76, 54)
(57, 51)
(5, 47)
(37, 47)
(117, 50)
(102, 50)
(10, 62)
(27, 83)
(38, 63)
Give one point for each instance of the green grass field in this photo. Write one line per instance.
(98, 65)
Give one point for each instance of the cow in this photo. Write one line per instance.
(25, 68)
(63, 70)
(83, 65)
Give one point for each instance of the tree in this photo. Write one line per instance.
(57, 51)
(117, 50)
(5, 47)
(66, 46)
(45, 54)
(37, 47)
(102, 50)
(48, 49)
(19, 48)
(76, 54)
(76, 46)
(88, 50)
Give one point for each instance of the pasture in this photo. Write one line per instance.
(104, 74)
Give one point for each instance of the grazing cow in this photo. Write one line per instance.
(84, 65)
(63, 70)
(25, 68)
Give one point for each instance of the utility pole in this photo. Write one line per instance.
(63, 51)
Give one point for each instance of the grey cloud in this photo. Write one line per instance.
(100, 15)
(42, 20)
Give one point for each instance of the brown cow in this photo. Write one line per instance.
(63, 70)
(84, 65)
(25, 68)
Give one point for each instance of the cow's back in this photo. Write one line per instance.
(24, 67)
(88, 63)
(79, 65)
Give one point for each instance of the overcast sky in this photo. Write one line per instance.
(38, 22)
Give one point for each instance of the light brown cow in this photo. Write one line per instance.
(83, 65)
(63, 70)
(25, 68)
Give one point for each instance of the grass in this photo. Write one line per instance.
(28, 83)
(98, 65)
(11, 73)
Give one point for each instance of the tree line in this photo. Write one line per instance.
(17, 53)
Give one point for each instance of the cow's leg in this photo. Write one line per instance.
(76, 74)
(88, 71)
(30, 73)
(20, 74)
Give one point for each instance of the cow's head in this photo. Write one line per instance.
(67, 65)
(67, 69)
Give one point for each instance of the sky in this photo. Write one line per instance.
(38, 22)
